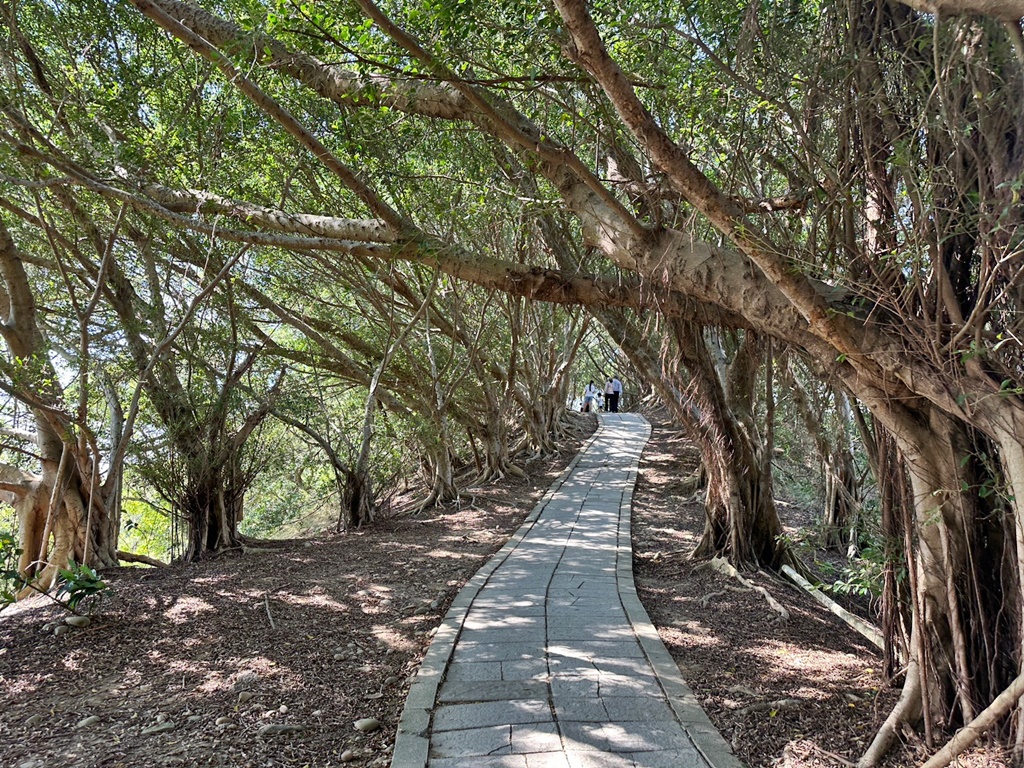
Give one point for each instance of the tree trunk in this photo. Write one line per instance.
(64, 519)
(964, 587)
(841, 485)
(742, 523)
(64, 515)
(211, 504)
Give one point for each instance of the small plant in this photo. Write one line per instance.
(78, 582)
(863, 576)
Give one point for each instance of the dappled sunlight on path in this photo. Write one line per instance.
(547, 657)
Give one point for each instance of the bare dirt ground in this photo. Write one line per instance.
(267, 658)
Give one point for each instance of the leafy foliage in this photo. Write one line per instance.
(863, 576)
(10, 580)
(78, 583)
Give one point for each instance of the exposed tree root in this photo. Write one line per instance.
(868, 631)
(497, 473)
(907, 710)
(723, 566)
(971, 732)
(721, 593)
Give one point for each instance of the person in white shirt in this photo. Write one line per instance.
(609, 396)
(589, 397)
(616, 386)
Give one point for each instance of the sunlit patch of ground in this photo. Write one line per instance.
(186, 609)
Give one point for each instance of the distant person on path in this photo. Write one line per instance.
(589, 397)
(616, 386)
(610, 403)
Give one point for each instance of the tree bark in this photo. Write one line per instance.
(65, 505)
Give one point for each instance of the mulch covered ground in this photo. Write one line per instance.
(800, 692)
(269, 657)
(806, 692)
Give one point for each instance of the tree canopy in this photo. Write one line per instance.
(218, 216)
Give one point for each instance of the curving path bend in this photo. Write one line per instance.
(546, 658)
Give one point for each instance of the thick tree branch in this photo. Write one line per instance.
(1004, 10)
(513, 129)
(588, 50)
(284, 118)
(604, 219)
(198, 201)
(332, 82)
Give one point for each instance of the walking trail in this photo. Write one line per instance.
(546, 658)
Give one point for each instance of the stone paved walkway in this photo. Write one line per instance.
(546, 658)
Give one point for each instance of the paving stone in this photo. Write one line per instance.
(629, 668)
(473, 652)
(597, 631)
(509, 598)
(669, 758)
(500, 761)
(525, 669)
(414, 722)
(455, 691)
(584, 617)
(547, 760)
(598, 760)
(610, 649)
(645, 737)
(589, 710)
(565, 664)
(624, 709)
(455, 717)
(508, 607)
(574, 686)
(535, 737)
(618, 685)
(411, 749)
(583, 737)
(495, 618)
(534, 635)
(474, 671)
(482, 742)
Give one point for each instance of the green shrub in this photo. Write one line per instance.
(78, 582)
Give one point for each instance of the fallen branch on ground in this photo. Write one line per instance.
(266, 604)
(863, 627)
(131, 557)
